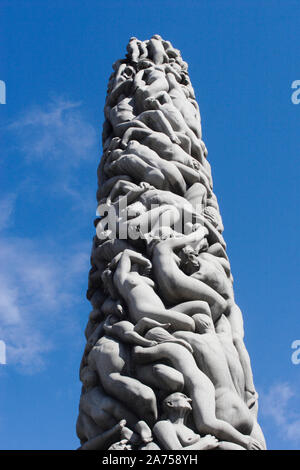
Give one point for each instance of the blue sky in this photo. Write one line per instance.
(56, 59)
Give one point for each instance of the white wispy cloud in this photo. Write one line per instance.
(57, 131)
(278, 404)
(58, 138)
(6, 208)
(38, 293)
(39, 290)
(40, 279)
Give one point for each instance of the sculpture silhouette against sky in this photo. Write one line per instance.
(165, 365)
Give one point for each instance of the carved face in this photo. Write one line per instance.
(189, 261)
(178, 401)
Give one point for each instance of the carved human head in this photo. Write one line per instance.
(189, 261)
(176, 401)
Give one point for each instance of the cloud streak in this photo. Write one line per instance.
(6, 210)
(57, 132)
(40, 287)
(37, 298)
(42, 278)
(56, 143)
(277, 404)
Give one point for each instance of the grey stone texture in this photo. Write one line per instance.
(165, 365)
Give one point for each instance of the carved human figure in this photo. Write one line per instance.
(111, 359)
(105, 411)
(175, 285)
(161, 144)
(155, 197)
(156, 49)
(168, 175)
(176, 120)
(179, 209)
(136, 49)
(172, 431)
(211, 360)
(224, 333)
(121, 116)
(127, 271)
(121, 82)
(201, 390)
(105, 439)
(215, 272)
(151, 79)
(100, 413)
(179, 97)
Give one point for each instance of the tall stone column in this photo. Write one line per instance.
(165, 365)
